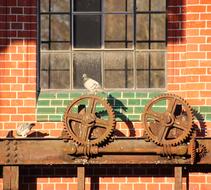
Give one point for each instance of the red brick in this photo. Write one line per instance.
(166, 187)
(48, 186)
(152, 186)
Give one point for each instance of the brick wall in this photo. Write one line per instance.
(188, 74)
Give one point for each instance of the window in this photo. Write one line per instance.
(120, 43)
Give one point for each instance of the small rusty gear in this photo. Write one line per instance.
(168, 120)
(201, 150)
(89, 120)
(192, 150)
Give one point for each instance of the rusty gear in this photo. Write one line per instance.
(201, 150)
(84, 125)
(168, 120)
(192, 150)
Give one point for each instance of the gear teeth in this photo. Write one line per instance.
(109, 129)
(152, 137)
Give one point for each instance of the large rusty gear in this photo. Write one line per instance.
(168, 120)
(89, 120)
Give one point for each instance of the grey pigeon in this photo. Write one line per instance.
(91, 85)
(23, 129)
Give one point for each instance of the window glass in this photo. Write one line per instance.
(86, 63)
(118, 5)
(118, 31)
(87, 31)
(87, 5)
(118, 70)
(60, 5)
(104, 39)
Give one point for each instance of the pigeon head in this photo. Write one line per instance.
(84, 76)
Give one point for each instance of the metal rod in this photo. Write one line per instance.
(178, 178)
(10, 178)
(81, 177)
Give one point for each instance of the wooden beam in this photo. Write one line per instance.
(81, 177)
(178, 178)
(10, 177)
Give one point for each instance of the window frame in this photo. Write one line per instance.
(72, 50)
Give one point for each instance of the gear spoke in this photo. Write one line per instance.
(74, 117)
(162, 133)
(172, 105)
(179, 126)
(101, 123)
(92, 106)
(154, 115)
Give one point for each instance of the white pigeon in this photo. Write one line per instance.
(91, 85)
(23, 129)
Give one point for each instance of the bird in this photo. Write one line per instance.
(23, 129)
(91, 85)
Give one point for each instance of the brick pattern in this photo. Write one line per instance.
(17, 63)
(188, 75)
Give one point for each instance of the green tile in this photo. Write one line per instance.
(55, 117)
(134, 102)
(42, 117)
(138, 110)
(134, 117)
(56, 102)
(43, 102)
(141, 95)
(129, 110)
(205, 109)
(144, 102)
(74, 95)
(47, 95)
(154, 94)
(208, 117)
(128, 94)
(66, 102)
(115, 94)
(60, 110)
(64, 95)
(46, 110)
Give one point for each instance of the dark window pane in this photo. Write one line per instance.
(87, 5)
(142, 27)
(55, 72)
(44, 28)
(89, 63)
(118, 31)
(158, 27)
(142, 5)
(44, 6)
(157, 79)
(60, 28)
(60, 5)
(118, 70)
(87, 31)
(118, 5)
(158, 5)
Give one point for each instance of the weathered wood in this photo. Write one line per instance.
(10, 178)
(81, 177)
(178, 178)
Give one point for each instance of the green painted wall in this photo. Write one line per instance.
(127, 105)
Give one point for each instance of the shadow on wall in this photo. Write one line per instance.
(176, 21)
(119, 108)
